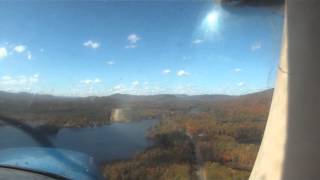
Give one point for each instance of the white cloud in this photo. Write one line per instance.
(256, 46)
(91, 44)
(166, 71)
(237, 70)
(97, 80)
(3, 52)
(19, 83)
(197, 41)
(19, 48)
(135, 83)
(86, 81)
(22, 48)
(133, 38)
(90, 81)
(110, 63)
(19, 80)
(182, 73)
(29, 55)
(6, 78)
(120, 88)
(241, 84)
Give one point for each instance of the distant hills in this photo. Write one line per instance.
(36, 109)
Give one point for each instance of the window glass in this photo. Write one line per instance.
(148, 89)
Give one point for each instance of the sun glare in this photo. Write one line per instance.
(212, 18)
(211, 21)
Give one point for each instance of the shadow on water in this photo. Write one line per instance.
(47, 130)
(44, 141)
(302, 155)
(35, 134)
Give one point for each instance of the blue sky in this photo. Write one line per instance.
(101, 48)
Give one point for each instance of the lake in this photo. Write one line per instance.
(104, 143)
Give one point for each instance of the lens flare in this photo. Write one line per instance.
(211, 21)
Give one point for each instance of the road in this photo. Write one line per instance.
(200, 171)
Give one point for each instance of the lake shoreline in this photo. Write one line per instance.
(118, 141)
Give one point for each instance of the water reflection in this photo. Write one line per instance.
(105, 143)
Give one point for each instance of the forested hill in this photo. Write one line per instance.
(39, 109)
(209, 137)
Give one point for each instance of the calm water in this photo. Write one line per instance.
(105, 143)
